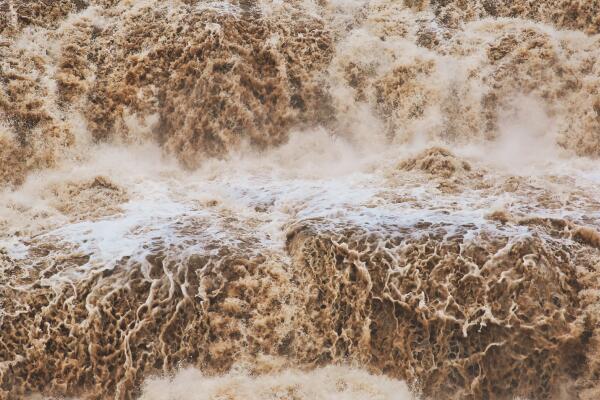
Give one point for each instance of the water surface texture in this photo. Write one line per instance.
(316, 199)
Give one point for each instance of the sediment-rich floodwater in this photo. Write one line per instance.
(300, 199)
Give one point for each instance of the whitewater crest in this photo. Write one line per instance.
(300, 200)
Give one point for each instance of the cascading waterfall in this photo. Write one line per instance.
(274, 199)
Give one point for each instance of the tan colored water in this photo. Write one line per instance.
(300, 200)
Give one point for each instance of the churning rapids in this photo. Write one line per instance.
(301, 199)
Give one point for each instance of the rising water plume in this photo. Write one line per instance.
(300, 200)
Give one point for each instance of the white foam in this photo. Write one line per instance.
(314, 176)
(329, 383)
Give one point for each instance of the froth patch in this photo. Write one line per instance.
(329, 383)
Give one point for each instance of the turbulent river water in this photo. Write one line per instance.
(303, 199)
